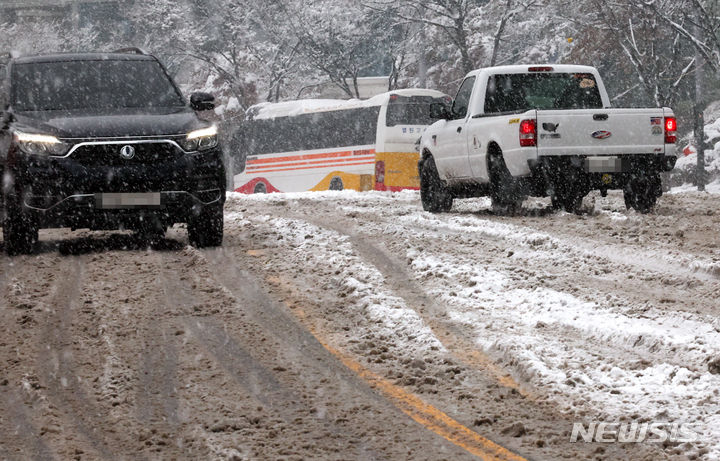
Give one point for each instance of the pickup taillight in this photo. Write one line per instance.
(528, 133)
(670, 130)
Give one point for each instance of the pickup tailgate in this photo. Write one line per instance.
(600, 132)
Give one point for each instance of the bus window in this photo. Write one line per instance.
(321, 130)
(414, 110)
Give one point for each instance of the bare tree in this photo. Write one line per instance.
(658, 55)
(452, 17)
(698, 21)
(341, 50)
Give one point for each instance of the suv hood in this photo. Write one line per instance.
(111, 124)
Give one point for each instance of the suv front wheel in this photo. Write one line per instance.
(19, 230)
(206, 229)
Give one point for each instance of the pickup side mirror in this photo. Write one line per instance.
(202, 102)
(439, 111)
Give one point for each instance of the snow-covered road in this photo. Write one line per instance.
(611, 315)
(356, 326)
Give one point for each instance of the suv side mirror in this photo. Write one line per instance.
(202, 102)
(439, 111)
(6, 118)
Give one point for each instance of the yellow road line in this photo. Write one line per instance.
(427, 415)
(421, 412)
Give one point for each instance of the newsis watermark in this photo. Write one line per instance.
(634, 432)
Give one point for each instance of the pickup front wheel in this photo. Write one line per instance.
(435, 196)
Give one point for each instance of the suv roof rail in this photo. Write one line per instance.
(8, 55)
(131, 49)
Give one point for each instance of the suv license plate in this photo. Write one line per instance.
(127, 200)
(603, 165)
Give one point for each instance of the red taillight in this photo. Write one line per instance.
(528, 133)
(394, 97)
(670, 130)
(380, 172)
(540, 69)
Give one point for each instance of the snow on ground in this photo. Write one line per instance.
(575, 348)
(358, 283)
(712, 188)
(593, 352)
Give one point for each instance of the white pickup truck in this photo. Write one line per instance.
(542, 130)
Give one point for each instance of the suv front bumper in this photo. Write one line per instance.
(62, 192)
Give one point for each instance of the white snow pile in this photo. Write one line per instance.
(346, 196)
(687, 164)
(712, 188)
(587, 353)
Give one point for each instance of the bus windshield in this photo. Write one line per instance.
(414, 110)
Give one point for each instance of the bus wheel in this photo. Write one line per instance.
(260, 188)
(336, 184)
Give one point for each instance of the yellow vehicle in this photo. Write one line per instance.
(313, 145)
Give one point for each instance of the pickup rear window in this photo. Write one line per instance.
(520, 92)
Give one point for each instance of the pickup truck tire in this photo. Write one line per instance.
(206, 229)
(435, 196)
(569, 187)
(570, 201)
(19, 232)
(641, 192)
(505, 192)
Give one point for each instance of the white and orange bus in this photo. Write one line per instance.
(313, 145)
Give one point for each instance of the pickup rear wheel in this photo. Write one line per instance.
(506, 194)
(435, 196)
(569, 187)
(569, 200)
(641, 192)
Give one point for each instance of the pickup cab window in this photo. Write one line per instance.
(462, 100)
(520, 92)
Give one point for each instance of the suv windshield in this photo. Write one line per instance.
(414, 110)
(111, 84)
(520, 92)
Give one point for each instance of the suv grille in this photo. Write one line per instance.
(146, 153)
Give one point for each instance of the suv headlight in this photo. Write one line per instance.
(200, 140)
(40, 144)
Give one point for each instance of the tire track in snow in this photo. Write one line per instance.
(57, 365)
(157, 402)
(322, 359)
(400, 282)
(14, 417)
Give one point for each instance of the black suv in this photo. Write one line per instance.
(105, 142)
